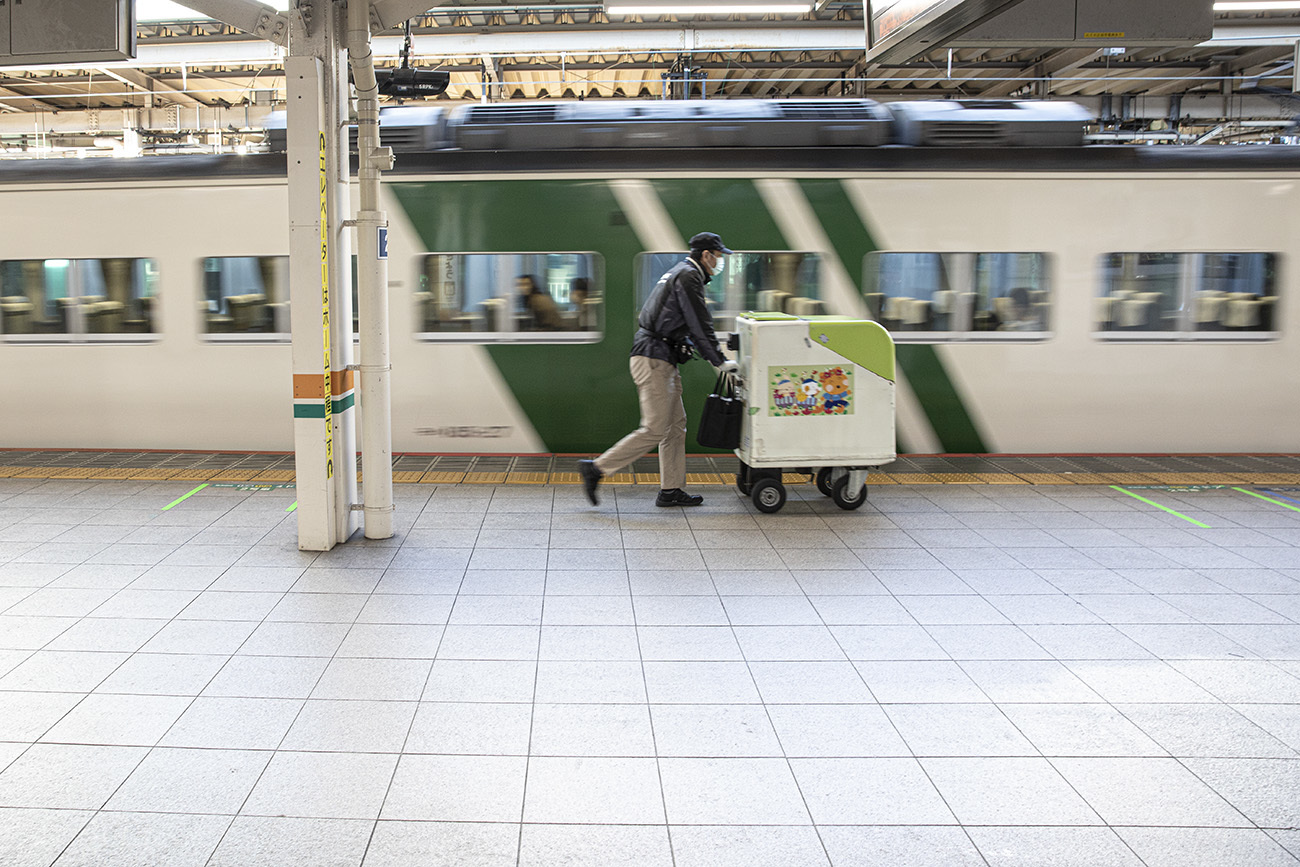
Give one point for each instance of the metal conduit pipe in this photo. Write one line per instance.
(372, 287)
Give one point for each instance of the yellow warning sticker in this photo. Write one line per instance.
(325, 307)
(1103, 36)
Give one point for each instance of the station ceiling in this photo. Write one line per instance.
(510, 51)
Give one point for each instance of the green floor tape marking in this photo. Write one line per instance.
(292, 506)
(1269, 499)
(1158, 506)
(186, 497)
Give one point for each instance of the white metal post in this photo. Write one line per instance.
(337, 102)
(372, 287)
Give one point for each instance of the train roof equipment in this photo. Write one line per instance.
(989, 123)
(671, 124)
(405, 129)
(758, 123)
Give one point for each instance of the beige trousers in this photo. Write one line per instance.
(663, 421)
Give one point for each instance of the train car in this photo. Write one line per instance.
(1046, 296)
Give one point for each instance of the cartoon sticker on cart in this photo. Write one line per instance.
(798, 390)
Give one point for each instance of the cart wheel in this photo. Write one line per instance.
(824, 481)
(742, 484)
(768, 495)
(846, 499)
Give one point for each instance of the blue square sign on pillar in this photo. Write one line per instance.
(383, 242)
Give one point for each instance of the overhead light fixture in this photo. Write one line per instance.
(697, 10)
(1256, 5)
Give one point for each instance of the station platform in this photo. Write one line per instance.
(1085, 661)
(1272, 469)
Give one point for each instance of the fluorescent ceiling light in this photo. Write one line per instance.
(1256, 5)
(639, 7)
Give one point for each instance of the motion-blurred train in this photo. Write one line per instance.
(1045, 296)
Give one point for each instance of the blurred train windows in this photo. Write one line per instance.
(933, 297)
(1235, 293)
(520, 297)
(1210, 296)
(769, 281)
(77, 300)
(245, 297)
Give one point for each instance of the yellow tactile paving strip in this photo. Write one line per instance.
(524, 479)
(534, 476)
(399, 478)
(484, 479)
(442, 478)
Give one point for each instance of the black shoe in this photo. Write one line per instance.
(678, 497)
(591, 477)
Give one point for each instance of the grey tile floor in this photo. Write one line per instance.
(999, 675)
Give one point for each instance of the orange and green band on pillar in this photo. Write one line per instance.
(309, 393)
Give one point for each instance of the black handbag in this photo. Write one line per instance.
(720, 423)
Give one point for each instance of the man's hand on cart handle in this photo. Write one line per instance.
(728, 366)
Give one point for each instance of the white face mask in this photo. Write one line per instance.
(718, 264)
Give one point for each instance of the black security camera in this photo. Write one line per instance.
(407, 83)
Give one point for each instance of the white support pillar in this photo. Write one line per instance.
(319, 265)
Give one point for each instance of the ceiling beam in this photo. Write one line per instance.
(1056, 63)
(1237, 64)
(151, 85)
(249, 16)
(14, 100)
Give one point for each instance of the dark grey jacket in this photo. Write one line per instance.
(678, 299)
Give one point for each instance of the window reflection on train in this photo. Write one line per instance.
(958, 295)
(1174, 294)
(547, 297)
(246, 295)
(247, 298)
(73, 300)
(768, 281)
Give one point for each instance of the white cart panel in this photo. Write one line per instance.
(819, 392)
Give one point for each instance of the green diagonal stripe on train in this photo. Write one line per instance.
(729, 206)
(922, 366)
(732, 208)
(579, 397)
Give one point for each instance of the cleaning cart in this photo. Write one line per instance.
(819, 399)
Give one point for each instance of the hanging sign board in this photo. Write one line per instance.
(1095, 23)
(899, 30)
(40, 32)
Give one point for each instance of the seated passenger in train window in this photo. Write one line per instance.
(544, 314)
(583, 310)
(1017, 314)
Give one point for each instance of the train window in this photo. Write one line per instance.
(1181, 296)
(77, 300)
(245, 297)
(780, 281)
(930, 297)
(510, 297)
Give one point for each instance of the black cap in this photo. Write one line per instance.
(708, 241)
